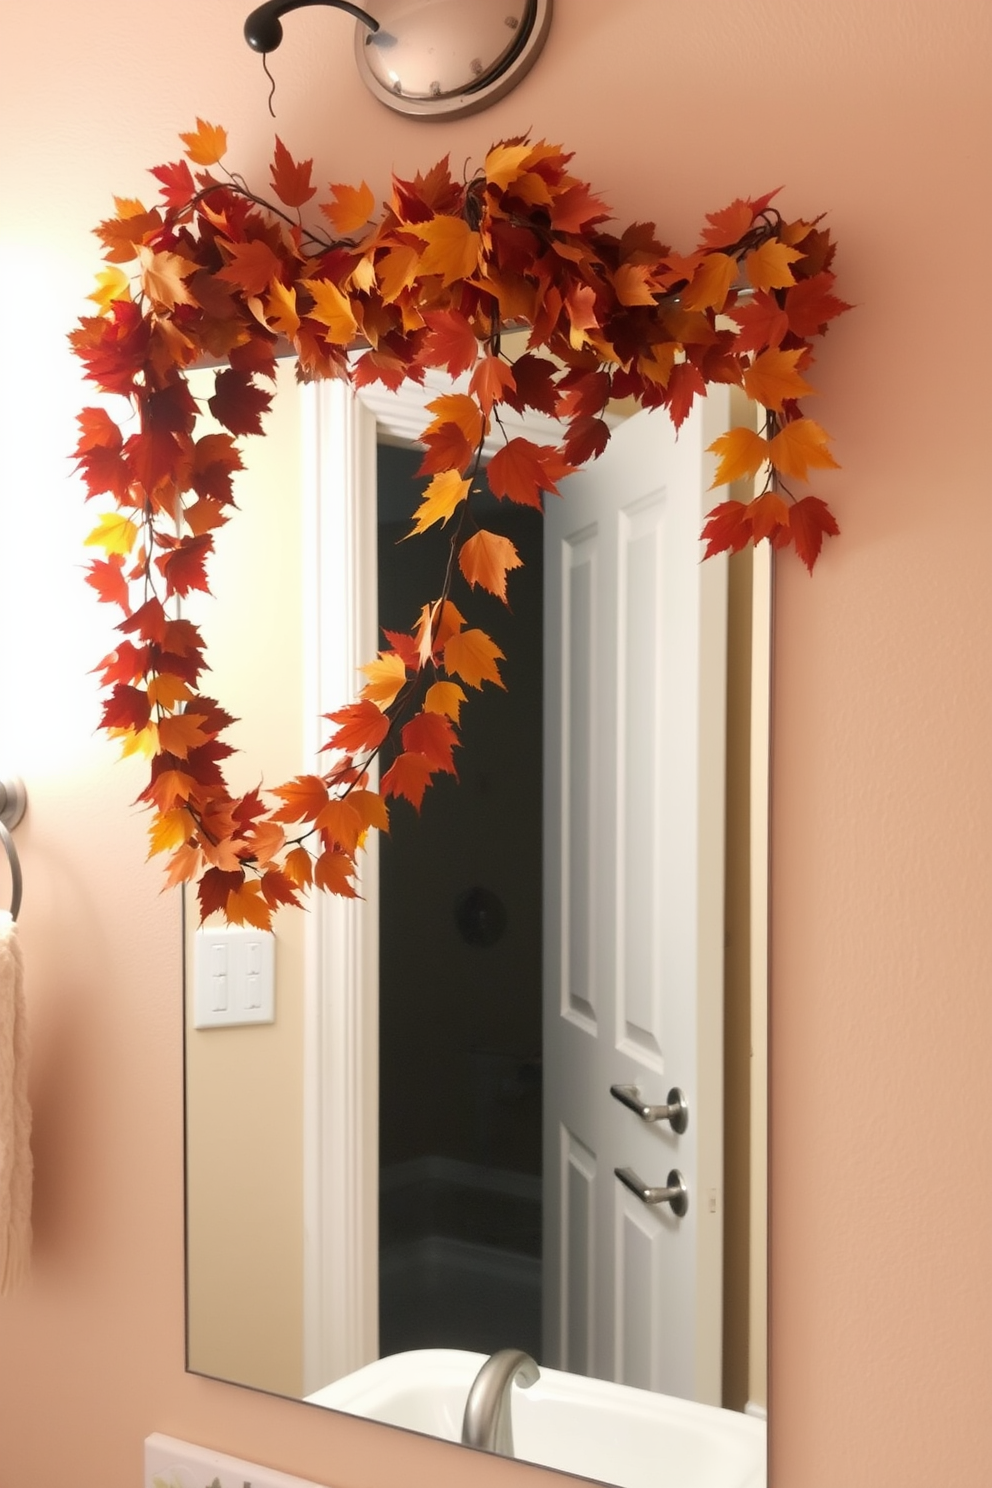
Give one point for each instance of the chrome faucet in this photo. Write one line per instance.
(486, 1422)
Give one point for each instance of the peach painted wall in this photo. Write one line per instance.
(882, 1020)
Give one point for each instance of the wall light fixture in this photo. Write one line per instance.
(430, 58)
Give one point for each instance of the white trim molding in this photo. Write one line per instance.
(340, 1082)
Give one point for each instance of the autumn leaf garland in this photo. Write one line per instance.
(216, 274)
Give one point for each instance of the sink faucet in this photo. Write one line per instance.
(486, 1422)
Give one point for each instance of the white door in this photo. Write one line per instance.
(635, 658)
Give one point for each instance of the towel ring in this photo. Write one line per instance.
(13, 800)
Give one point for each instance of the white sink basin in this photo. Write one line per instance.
(592, 1428)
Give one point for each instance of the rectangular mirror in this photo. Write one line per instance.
(556, 975)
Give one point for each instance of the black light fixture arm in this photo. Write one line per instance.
(263, 30)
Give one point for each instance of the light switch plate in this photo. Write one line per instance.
(233, 976)
(170, 1463)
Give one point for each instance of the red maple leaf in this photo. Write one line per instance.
(810, 520)
(237, 403)
(452, 343)
(409, 776)
(432, 735)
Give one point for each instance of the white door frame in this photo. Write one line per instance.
(341, 953)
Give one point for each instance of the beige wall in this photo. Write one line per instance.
(244, 1129)
(881, 1288)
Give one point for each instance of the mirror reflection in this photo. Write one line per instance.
(554, 967)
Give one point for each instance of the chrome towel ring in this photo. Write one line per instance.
(13, 799)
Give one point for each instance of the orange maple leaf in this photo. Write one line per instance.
(247, 906)
(447, 449)
(298, 867)
(340, 823)
(334, 871)
(251, 266)
(472, 655)
(351, 208)
(206, 144)
(362, 726)
(631, 282)
(486, 558)
(710, 284)
(371, 809)
(451, 248)
(305, 797)
(772, 378)
(799, 447)
(456, 408)
(741, 451)
(181, 732)
(491, 382)
(290, 178)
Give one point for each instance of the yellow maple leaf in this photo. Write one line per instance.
(333, 310)
(111, 284)
(446, 698)
(444, 494)
(114, 533)
(504, 162)
(144, 741)
(396, 271)
(169, 830)
(280, 309)
(386, 677)
(768, 266)
(363, 274)
(451, 248)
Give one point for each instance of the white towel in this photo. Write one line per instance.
(15, 1114)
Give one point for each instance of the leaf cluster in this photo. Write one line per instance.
(215, 273)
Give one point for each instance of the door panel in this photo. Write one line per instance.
(635, 646)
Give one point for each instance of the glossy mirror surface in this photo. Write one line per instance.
(416, 1160)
